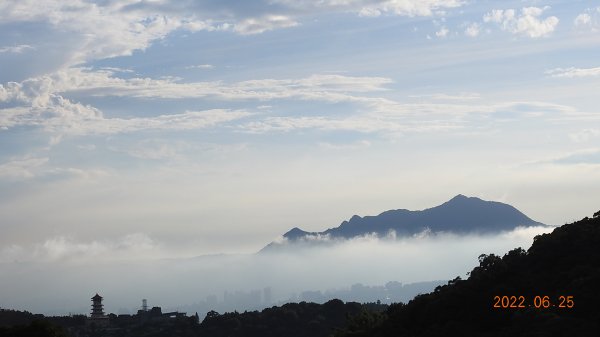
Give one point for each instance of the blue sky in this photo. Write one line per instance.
(194, 127)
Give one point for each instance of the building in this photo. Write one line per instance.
(97, 316)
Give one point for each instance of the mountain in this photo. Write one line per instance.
(460, 215)
(549, 290)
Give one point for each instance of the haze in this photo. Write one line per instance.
(59, 280)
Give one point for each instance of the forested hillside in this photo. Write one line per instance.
(555, 284)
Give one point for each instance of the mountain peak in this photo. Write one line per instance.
(460, 197)
(294, 233)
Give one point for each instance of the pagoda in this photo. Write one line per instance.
(97, 307)
(97, 317)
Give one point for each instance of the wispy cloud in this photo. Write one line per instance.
(59, 115)
(361, 144)
(585, 135)
(465, 96)
(573, 72)
(104, 83)
(263, 24)
(66, 249)
(33, 166)
(22, 168)
(374, 8)
(586, 156)
(18, 49)
(400, 118)
(39, 102)
(112, 28)
(201, 66)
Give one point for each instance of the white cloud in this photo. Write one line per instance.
(585, 135)
(574, 72)
(392, 118)
(583, 19)
(361, 144)
(373, 8)
(65, 248)
(443, 32)
(369, 12)
(56, 114)
(472, 30)
(102, 30)
(22, 168)
(588, 20)
(528, 23)
(183, 121)
(139, 270)
(465, 96)
(579, 157)
(201, 66)
(47, 109)
(16, 49)
(103, 83)
(154, 149)
(38, 101)
(263, 24)
(117, 28)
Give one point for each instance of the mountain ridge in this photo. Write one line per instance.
(460, 215)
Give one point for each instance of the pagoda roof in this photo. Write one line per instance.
(97, 297)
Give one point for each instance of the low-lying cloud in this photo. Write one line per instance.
(60, 275)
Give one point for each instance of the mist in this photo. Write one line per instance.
(60, 276)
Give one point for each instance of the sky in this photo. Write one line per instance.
(170, 129)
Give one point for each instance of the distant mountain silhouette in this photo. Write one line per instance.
(460, 215)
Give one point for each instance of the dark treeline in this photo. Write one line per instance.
(291, 319)
(560, 268)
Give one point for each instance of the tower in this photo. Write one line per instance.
(97, 307)
(144, 305)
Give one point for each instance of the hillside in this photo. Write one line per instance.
(563, 265)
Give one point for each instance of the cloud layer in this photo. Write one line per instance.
(66, 265)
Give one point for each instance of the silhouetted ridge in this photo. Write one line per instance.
(460, 215)
(295, 233)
